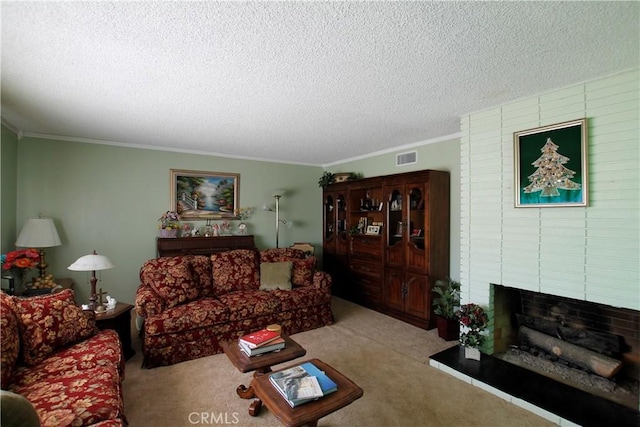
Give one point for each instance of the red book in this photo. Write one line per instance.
(258, 338)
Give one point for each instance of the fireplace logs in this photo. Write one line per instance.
(597, 363)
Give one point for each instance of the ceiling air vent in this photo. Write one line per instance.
(407, 158)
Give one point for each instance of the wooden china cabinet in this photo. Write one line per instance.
(397, 227)
(335, 240)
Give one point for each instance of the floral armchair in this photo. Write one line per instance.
(54, 357)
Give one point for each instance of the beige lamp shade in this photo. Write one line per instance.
(38, 233)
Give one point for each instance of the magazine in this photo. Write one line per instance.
(302, 384)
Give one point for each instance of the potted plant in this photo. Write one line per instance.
(445, 304)
(326, 179)
(474, 320)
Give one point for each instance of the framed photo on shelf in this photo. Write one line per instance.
(550, 165)
(373, 229)
(198, 195)
(362, 224)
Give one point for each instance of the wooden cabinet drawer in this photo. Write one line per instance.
(367, 279)
(369, 246)
(362, 267)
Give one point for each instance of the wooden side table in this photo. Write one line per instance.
(118, 319)
(309, 413)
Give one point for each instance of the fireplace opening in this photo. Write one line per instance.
(589, 346)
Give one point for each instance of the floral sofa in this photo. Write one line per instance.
(54, 356)
(193, 303)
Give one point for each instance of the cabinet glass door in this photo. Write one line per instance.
(396, 225)
(329, 218)
(342, 244)
(416, 217)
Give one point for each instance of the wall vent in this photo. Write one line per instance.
(407, 158)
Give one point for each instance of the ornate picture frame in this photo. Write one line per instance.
(199, 195)
(550, 165)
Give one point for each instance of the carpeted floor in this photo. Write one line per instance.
(386, 357)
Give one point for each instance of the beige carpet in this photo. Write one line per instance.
(386, 357)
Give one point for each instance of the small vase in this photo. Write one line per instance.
(168, 232)
(472, 353)
(18, 281)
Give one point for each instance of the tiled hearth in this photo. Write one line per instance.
(554, 401)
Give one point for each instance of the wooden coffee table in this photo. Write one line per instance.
(308, 413)
(260, 364)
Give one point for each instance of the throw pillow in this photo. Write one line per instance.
(172, 280)
(17, 411)
(235, 270)
(51, 322)
(278, 254)
(275, 275)
(303, 269)
(9, 340)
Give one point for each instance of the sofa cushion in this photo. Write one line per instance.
(187, 317)
(171, 279)
(302, 272)
(101, 349)
(201, 266)
(280, 254)
(87, 395)
(244, 305)
(9, 340)
(301, 297)
(275, 275)
(235, 270)
(50, 322)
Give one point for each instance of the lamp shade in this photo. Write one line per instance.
(91, 262)
(38, 233)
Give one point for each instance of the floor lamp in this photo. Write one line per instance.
(277, 195)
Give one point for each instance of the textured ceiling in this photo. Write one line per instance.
(302, 82)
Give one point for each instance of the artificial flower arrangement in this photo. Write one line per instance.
(169, 221)
(20, 262)
(243, 213)
(474, 319)
(23, 259)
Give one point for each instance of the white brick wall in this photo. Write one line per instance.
(590, 253)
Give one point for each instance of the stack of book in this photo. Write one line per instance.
(302, 384)
(260, 342)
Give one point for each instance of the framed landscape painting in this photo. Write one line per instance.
(551, 165)
(204, 195)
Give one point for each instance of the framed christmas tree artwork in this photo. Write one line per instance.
(550, 165)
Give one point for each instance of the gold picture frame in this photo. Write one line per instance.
(200, 195)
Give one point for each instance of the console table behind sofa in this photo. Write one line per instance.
(174, 246)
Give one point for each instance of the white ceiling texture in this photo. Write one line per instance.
(302, 82)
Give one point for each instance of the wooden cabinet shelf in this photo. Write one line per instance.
(392, 271)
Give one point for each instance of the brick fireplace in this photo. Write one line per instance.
(613, 326)
(582, 253)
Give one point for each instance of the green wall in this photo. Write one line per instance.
(107, 198)
(8, 189)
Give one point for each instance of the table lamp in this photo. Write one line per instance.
(39, 233)
(92, 263)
